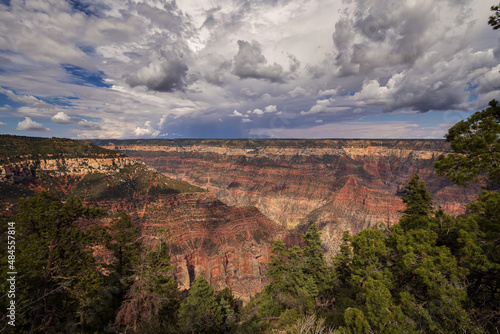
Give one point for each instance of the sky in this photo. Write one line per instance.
(244, 68)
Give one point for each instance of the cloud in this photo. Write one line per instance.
(270, 109)
(25, 99)
(88, 125)
(6, 107)
(394, 129)
(327, 92)
(248, 92)
(62, 118)
(29, 125)
(165, 73)
(250, 63)
(146, 131)
(126, 63)
(236, 113)
(297, 91)
(256, 111)
(246, 120)
(324, 106)
(2, 123)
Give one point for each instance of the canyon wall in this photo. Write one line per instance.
(26, 170)
(340, 184)
(230, 246)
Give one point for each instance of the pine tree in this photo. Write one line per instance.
(476, 146)
(199, 312)
(419, 205)
(151, 303)
(57, 270)
(122, 240)
(314, 259)
(417, 199)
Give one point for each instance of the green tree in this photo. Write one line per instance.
(314, 259)
(417, 199)
(494, 20)
(122, 240)
(400, 279)
(58, 277)
(199, 312)
(151, 303)
(476, 144)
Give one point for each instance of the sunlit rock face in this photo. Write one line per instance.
(340, 184)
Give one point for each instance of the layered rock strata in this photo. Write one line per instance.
(340, 184)
(230, 246)
(26, 170)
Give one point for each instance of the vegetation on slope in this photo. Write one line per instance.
(18, 148)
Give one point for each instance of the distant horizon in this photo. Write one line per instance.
(215, 138)
(83, 69)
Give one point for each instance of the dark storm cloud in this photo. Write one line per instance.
(383, 36)
(407, 58)
(249, 62)
(165, 73)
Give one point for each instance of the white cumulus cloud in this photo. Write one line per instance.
(29, 125)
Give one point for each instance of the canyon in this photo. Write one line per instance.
(229, 245)
(342, 185)
(222, 203)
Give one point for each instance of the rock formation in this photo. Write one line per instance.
(230, 246)
(340, 184)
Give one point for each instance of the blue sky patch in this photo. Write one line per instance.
(87, 8)
(84, 77)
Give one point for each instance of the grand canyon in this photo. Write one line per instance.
(342, 185)
(226, 201)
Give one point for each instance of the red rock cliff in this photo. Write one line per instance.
(340, 184)
(230, 246)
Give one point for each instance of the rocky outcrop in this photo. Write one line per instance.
(340, 184)
(26, 170)
(17, 172)
(230, 246)
(69, 166)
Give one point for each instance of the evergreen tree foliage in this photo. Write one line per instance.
(122, 240)
(151, 303)
(417, 199)
(402, 279)
(199, 312)
(476, 144)
(314, 259)
(494, 20)
(289, 288)
(57, 276)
